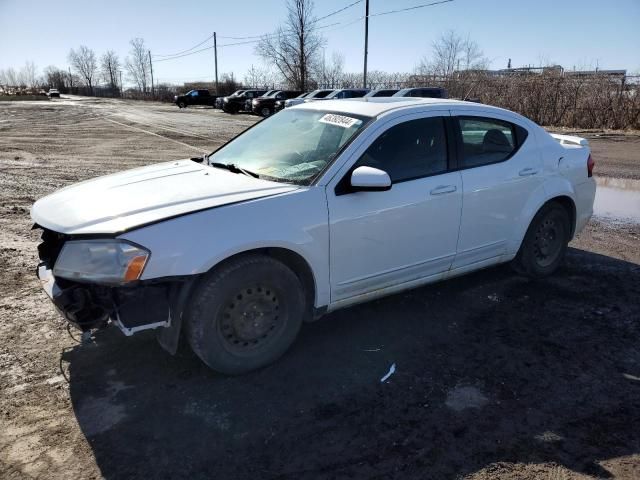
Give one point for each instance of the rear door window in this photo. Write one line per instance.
(486, 140)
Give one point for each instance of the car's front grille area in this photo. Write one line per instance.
(49, 249)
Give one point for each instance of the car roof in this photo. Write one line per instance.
(374, 106)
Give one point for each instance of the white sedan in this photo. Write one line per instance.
(318, 207)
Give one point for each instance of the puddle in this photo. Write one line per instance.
(618, 199)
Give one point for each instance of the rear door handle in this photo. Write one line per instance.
(525, 172)
(442, 189)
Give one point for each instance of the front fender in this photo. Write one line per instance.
(192, 244)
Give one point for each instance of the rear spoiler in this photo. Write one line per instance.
(571, 140)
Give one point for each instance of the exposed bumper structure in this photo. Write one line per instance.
(87, 306)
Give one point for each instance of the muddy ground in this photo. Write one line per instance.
(496, 376)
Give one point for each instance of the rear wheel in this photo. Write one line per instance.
(231, 108)
(545, 242)
(246, 314)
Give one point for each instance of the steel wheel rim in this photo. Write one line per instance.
(251, 319)
(548, 242)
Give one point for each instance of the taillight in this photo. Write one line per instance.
(590, 165)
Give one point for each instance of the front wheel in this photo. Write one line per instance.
(545, 242)
(182, 105)
(266, 111)
(246, 314)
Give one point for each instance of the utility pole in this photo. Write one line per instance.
(366, 43)
(215, 57)
(151, 65)
(121, 86)
(70, 79)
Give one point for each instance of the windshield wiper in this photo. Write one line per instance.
(232, 167)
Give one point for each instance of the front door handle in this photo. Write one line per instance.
(442, 189)
(526, 172)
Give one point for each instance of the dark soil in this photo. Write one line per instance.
(497, 376)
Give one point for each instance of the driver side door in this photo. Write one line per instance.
(406, 234)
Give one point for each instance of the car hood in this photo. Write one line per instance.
(122, 201)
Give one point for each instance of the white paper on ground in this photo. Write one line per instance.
(391, 371)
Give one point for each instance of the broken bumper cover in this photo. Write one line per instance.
(88, 306)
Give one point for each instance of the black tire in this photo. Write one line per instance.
(233, 109)
(266, 111)
(245, 315)
(545, 243)
(182, 105)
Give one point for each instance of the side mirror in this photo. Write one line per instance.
(369, 179)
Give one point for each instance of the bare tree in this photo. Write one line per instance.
(9, 77)
(137, 64)
(331, 74)
(110, 66)
(452, 53)
(83, 61)
(28, 75)
(294, 48)
(259, 77)
(56, 78)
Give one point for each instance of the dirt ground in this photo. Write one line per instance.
(496, 376)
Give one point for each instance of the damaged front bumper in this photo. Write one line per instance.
(87, 306)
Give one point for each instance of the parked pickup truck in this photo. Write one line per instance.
(248, 103)
(322, 206)
(236, 103)
(195, 97)
(220, 100)
(266, 104)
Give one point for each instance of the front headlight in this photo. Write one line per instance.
(255, 102)
(112, 262)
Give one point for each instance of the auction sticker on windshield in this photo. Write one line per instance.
(340, 120)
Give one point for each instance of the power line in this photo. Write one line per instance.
(184, 55)
(345, 25)
(335, 12)
(409, 8)
(175, 57)
(188, 52)
(338, 11)
(184, 51)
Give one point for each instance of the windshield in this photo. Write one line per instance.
(292, 146)
(320, 93)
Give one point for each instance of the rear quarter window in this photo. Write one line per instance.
(484, 141)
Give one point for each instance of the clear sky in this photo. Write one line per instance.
(580, 33)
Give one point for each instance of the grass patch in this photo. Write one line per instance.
(22, 98)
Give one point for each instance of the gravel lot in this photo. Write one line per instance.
(496, 376)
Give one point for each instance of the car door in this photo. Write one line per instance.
(382, 239)
(501, 167)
